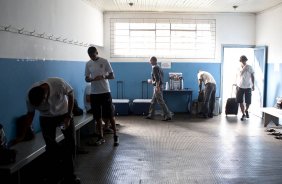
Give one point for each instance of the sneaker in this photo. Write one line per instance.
(247, 114)
(116, 140)
(243, 117)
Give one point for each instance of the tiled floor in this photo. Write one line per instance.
(186, 150)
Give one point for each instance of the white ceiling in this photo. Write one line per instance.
(251, 6)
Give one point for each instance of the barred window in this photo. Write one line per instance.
(168, 38)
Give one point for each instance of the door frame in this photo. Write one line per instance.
(223, 46)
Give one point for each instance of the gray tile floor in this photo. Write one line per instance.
(183, 151)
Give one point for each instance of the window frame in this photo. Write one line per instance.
(203, 46)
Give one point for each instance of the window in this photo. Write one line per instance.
(172, 38)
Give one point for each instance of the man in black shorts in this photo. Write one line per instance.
(97, 71)
(245, 85)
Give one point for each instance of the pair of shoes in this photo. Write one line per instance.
(243, 117)
(167, 119)
(98, 142)
(108, 131)
(148, 117)
(116, 140)
(247, 114)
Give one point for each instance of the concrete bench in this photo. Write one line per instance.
(27, 151)
(271, 114)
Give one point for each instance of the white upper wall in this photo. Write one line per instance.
(230, 28)
(268, 32)
(68, 19)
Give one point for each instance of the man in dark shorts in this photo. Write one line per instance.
(97, 71)
(245, 86)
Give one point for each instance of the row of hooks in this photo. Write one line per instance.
(43, 35)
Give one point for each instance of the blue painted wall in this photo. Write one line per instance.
(17, 75)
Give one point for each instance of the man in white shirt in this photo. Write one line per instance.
(209, 93)
(245, 86)
(54, 99)
(98, 71)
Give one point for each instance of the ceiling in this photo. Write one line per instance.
(250, 6)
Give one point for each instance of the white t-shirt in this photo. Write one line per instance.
(206, 77)
(87, 91)
(244, 77)
(57, 103)
(95, 68)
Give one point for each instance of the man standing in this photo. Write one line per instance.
(209, 93)
(157, 81)
(245, 85)
(97, 71)
(54, 99)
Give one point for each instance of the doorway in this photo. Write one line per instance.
(257, 59)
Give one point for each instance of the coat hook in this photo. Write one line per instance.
(41, 35)
(20, 31)
(31, 33)
(58, 38)
(64, 40)
(50, 37)
(6, 28)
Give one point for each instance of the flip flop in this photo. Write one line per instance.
(270, 130)
(278, 137)
(276, 133)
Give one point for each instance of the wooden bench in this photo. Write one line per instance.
(29, 150)
(271, 114)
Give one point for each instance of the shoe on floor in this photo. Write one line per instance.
(247, 114)
(116, 140)
(278, 137)
(270, 130)
(243, 117)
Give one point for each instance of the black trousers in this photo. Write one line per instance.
(60, 156)
(209, 99)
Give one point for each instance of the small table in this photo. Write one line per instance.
(271, 114)
(187, 91)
